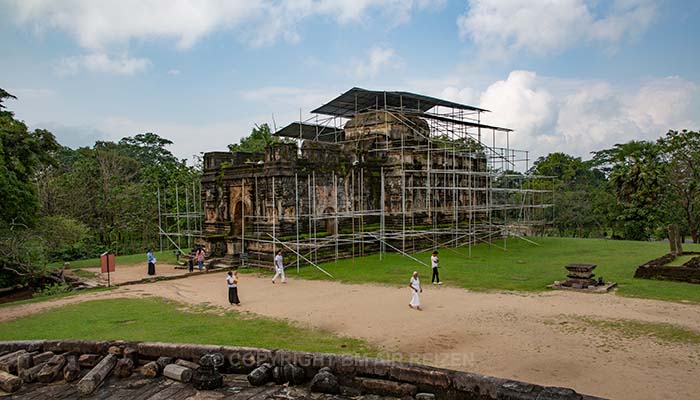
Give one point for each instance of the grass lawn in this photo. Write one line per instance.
(165, 257)
(156, 319)
(522, 267)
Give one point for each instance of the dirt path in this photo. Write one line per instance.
(136, 272)
(533, 337)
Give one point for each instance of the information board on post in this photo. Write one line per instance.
(107, 265)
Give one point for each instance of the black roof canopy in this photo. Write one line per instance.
(310, 131)
(358, 99)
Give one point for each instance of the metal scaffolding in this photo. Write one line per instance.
(473, 188)
(180, 217)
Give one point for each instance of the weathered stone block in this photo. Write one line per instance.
(325, 382)
(385, 388)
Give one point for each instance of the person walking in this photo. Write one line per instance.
(190, 263)
(151, 262)
(416, 288)
(279, 268)
(434, 263)
(200, 258)
(232, 282)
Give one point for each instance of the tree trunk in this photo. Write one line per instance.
(98, 374)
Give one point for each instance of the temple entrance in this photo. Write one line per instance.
(237, 221)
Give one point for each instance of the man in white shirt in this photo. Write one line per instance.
(434, 262)
(279, 268)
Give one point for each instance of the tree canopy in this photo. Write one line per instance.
(259, 138)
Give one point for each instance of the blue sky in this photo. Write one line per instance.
(568, 75)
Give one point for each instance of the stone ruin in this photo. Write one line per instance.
(142, 370)
(581, 277)
(658, 268)
(389, 171)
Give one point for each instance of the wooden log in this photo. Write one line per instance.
(9, 383)
(42, 357)
(71, 372)
(89, 360)
(24, 361)
(14, 354)
(98, 374)
(52, 369)
(11, 365)
(124, 368)
(8, 362)
(187, 364)
(150, 370)
(178, 373)
(30, 375)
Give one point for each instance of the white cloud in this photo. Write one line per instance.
(100, 24)
(502, 27)
(519, 101)
(581, 116)
(173, 72)
(377, 59)
(102, 63)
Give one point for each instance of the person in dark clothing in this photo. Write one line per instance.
(151, 262)
(232, 282)
(190, 263)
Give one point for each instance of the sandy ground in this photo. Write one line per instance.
(533, 337)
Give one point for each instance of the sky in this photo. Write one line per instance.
(570, 75)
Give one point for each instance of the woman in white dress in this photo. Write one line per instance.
(416, 288)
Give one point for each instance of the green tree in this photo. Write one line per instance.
(21, 154)
(681, 152)
(637, 178)
(259, 138)
(578, 210)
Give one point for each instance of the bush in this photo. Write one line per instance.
(53, 289)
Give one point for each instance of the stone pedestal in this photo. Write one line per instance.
(580, 276)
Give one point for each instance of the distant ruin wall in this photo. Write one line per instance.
(658, 269)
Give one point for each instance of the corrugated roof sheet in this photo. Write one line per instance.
(358, 99)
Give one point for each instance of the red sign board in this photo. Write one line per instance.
(107, 263)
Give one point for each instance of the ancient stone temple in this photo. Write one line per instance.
(376, 171)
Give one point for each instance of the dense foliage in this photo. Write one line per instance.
(632, 191)
(64, 204)
(259, 138)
